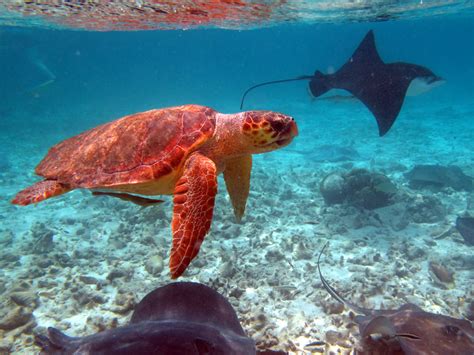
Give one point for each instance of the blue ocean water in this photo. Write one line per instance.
(57, 83)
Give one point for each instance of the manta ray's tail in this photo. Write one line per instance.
(301, 77)
(319, 84)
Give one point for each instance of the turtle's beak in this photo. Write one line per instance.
(293, 127)
(288, 133)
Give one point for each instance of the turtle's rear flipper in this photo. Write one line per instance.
(39, 192)
(138, 200)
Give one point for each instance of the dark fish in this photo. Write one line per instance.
(179, 318)
(138, 200)
(407, 330)
(380, 86)
(465, 226)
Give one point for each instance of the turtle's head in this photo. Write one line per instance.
(266, 130)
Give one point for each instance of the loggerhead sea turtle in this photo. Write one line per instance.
(178, 150)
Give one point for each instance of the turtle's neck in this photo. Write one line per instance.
(228, 141)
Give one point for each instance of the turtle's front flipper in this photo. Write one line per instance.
(39, 192)
(194, 196)
(237, 181)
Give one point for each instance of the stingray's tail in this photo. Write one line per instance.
(334, 294)
(301, 77)
(319, 84)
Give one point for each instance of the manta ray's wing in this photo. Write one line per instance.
(365, 54)
(383, 93)
(381, 87)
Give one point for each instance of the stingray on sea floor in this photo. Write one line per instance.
(380, 86)
(438, 176)
(408, 329)
(176, 319)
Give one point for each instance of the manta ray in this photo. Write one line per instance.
(380, 86)
(407, 330)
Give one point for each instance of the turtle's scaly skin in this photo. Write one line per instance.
(177, 150)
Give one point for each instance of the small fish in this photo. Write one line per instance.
(441, 275)
(315, 343)
(141, 201)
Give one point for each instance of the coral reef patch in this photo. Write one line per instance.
(358, 187)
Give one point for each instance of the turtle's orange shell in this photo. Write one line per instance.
(133, 149)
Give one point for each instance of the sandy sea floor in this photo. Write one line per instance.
(80, 263)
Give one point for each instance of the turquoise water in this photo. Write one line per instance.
(122, 72)
(57, 83)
